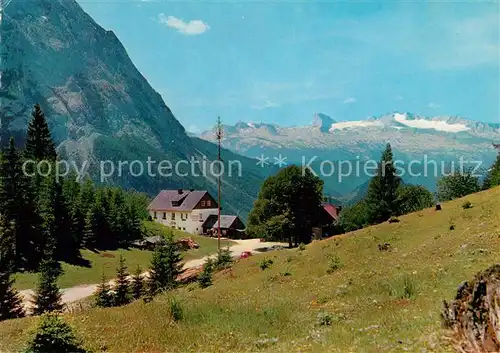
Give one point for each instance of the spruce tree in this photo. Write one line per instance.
(103, 296)
(47, 295)
(492, 178)
(381, 199)
(11, 306)
(118, 217)
(165, 266)
(137, 285)
(16, 205)
(39, 144)
(122, 285)
(93, 225)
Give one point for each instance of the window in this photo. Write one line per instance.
(202, 204)
(201, 217)
(183, 228)
(209, 203)
(173, 216)
(164, 215)
(154, 215)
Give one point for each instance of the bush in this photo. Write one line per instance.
(265, 263)
(324, 319)
(404, 288)
(224, 259)
(466, 205)
(176, 312)
(55, 336)
(334, 263)
(302, 247)
(456, 185)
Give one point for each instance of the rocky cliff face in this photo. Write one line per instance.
(98, 104)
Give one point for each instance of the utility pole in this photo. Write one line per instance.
(218, 135)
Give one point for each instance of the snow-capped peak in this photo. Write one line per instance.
(435, 124)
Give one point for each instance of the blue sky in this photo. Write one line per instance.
(282, 62)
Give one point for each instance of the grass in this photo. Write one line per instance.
(107, 261)
(377, 301)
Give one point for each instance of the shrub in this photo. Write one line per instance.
(404, 288)
(334, 263)
(176, 312)
(466, 205)
(55, 336)
(265, 263)
(452, 226)
(324, 319)
(393, 220)
(302, 247)
(224, 259)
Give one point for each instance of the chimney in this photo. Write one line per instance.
(179, 191)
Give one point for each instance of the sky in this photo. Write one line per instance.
(282, 62)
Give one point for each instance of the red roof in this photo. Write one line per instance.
(177, 200)
(332, 210)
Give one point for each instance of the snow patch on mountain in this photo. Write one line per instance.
(356, 124)
(438, 125)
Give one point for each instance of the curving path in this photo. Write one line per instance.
(73, 294)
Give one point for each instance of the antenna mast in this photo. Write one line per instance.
(218, 135)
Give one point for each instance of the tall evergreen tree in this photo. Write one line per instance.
(165, 266)
(122, 287)
(118, 217)
(381, 199)
(10, 302)
(39, 144)
(17, 207)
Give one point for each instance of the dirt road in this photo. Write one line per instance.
(76, 293)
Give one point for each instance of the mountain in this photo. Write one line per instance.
(440, 139)
(101, 108)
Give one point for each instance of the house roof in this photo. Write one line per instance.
(226, 221)
(178, 200)
(332, 210)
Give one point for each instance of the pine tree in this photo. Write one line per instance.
(205, 277)
(137, 284)
(165, 266)
(103, 296)
(39, 144)
(93, 223)
(492, 178)
(122, 287)
(11, 306)
(118, 217)
(16, 203)
(47, 295)
(381, 199)
(106, 239)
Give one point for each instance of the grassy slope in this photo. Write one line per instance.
(246, 303)
(107, 261)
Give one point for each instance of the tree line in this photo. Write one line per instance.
(289, 203)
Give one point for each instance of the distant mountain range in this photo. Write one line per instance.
(442, 139)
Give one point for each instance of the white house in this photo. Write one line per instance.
(185, 210)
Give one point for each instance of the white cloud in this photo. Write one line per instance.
(268, 104)
(433, 105)
(194, 129)
(191, 28)
(350, 100)
(398, 98)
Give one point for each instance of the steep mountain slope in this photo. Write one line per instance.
(413, 138)
(338, 295)
(98, 104)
